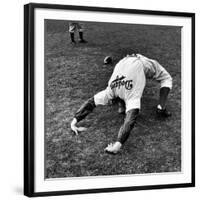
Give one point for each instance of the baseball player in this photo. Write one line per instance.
(75, 26)
(127, 82)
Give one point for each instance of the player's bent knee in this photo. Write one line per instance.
(167, 83)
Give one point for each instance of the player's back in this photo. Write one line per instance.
(126, 67)
(126, 77)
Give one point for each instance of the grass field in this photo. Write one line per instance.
(75, 73)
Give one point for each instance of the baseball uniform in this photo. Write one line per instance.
(127, 82)
(129, 78)
(73, 26)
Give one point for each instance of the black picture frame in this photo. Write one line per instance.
(29, 98)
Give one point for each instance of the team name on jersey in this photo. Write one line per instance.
(121, 82)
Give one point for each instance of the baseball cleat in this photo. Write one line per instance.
(163, 113)
(73, 42)
(82, 41)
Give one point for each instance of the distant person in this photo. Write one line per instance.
(73, 27)
(127, 83)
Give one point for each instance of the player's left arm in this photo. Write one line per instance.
(86, 108)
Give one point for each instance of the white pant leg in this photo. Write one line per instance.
(103, 97)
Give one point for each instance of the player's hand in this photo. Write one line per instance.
(113, 148)
(76, 129)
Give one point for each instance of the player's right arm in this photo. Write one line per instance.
(124, 131)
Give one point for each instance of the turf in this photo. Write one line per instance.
(74, 73)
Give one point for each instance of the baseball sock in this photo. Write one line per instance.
(72, 37)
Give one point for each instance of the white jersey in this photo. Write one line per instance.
(129, 78)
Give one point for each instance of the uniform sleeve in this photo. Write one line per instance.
(85, 109)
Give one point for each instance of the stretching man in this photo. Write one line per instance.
(127, 83)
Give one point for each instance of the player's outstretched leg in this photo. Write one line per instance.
(161, 108)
